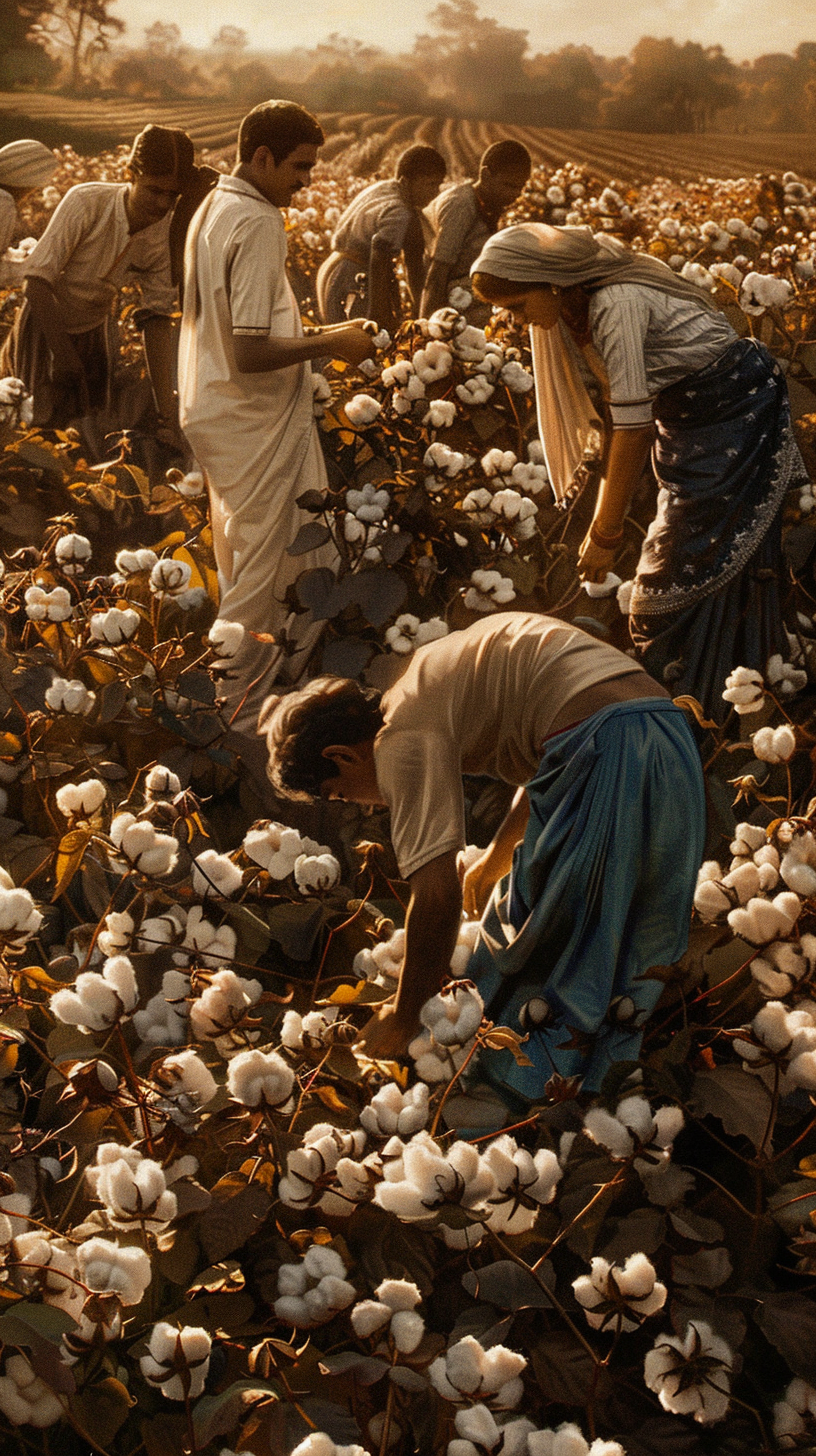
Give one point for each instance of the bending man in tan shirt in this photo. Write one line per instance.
(603, 864)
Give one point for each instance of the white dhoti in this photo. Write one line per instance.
(254, 435)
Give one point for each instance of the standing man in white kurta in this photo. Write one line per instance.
(246, 393)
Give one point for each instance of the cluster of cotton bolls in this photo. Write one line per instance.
(221, 1005)
(314, 1290)
(756, 909)
(20, 919)
(135, 1191)
(635, 1131)
(468, 1374)
(281, 851)
(311, 1031)
(392, 1313)
(794, 1416)
(327, 1171)
(16, 404)
(745, 687)
(48, 605)
(99, 1000)
(617, 1299)
(488, 591)
(408, 632)
(479, 1432)
(177, 1360)
(691, 1373)
(782, 1039)
(450, 1021)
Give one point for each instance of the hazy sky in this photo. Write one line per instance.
(745, 28)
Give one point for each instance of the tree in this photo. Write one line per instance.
(163, 40)
(472, 59)
(24, 60)
(82, 30)
(563, 89)
(672, 88)
(230, 41)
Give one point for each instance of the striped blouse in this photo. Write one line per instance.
(647, 340)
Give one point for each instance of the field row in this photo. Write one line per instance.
(365, 143)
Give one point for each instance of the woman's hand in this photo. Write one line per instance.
(352, 343)
(594, 562)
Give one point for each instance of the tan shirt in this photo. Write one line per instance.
(87, 254)
(459, 227)
(377, 211)
(480, 701)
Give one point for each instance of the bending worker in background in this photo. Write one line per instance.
(382, 222)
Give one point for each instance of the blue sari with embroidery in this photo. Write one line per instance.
(600, 892)
(707, 591)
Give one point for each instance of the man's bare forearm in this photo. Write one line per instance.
(159, 339)
(435, 292)
(431, 930)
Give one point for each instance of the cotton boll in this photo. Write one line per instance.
(185, 1351)
(744, 688)
(670, 1369)
(362, 410)
(604, 588)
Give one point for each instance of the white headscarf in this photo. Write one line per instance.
(536, 253)
(26, 163)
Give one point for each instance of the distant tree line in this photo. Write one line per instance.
(466, 64)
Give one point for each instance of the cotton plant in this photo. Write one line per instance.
(69, 696)
(81, 801)
(469, 1374)
(784, 1040)
(328, 1171)
(488, 591)
(691, 1373)
(184, 1088)
(382, 962)
(99, 1000)
(107, 1267)
(420, 1180)
(277, 847)
(524, 1182)
(203, 943)
(392, 1313)
(408, 632)
(616, 1299)
(169, 577)
(312, 1031)
(314, 1290)
(142, 847)
(794, 1416)
(646, 1136)
(478, 1432)
(20, 920)
(261, 1079)
(315, 874)
(392, 1111)
(215, 874)
(163, 1021)
(226, 638)
(25, 1399)
(177, 1360)
(43, 605)
(362, 410)
(318, 1443)
(745, 690)
(115, 626)
(132, 1189)
(221, 1003)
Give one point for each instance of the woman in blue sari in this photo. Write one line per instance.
(713, 410)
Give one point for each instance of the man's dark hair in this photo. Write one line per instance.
(298, 726)
(506, 156)
(163, 151)
(421, 161)
(282, 126)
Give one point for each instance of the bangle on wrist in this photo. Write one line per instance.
(605, 539)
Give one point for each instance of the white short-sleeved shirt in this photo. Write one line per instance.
(480, 701)
(379, 210)
(235, 283)
(87, 253)
(647, 340)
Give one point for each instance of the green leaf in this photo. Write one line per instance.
(229, 1222)
(220, 1415)
(254, 932)
(563, 1369)
(311, 535)
(365, 1368)
(296, 927)
(378, 593)
(509, 1286)
(102, 1408)
(737, 1099)
(788, 1320)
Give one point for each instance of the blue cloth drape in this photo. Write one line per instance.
(600, 891)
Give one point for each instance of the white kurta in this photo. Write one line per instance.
(255, 435)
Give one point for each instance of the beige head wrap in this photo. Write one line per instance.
(536, 253)
(26, 164)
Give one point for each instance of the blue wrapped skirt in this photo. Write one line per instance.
(600, 891)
